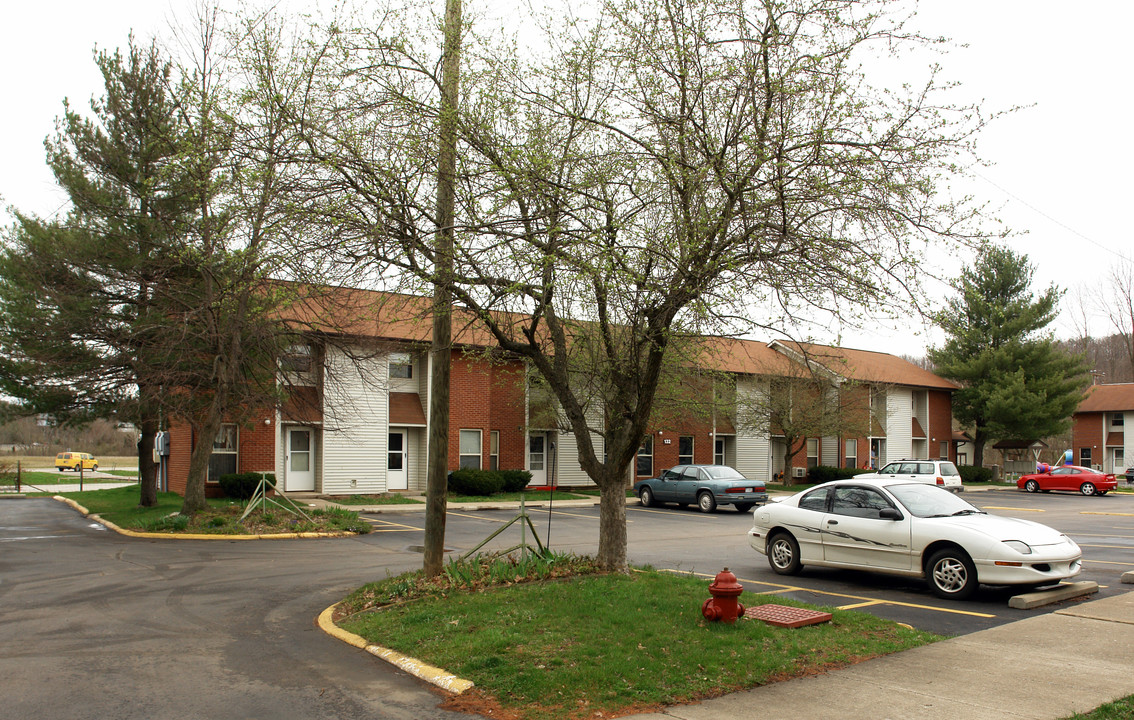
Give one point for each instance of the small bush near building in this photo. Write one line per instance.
(242, 486)
(974, 474)
(470, 481)
(515, 480)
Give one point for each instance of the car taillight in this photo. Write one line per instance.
(739, 490)
(940, 481)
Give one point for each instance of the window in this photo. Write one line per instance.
(296, 359)
(646, 457)
(850, 454)
(813, 452)
(494, 450)
(858, 502)
(470, 449)
(1117, 419)
(401, 366)
(685, 450)
(223, 459)
(1085, 457)
(718, 452)
(944, 451)
(815, 500)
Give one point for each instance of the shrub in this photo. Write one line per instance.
(973, 473)
(242, 486)
(822, 474)
(470, 481)
(515, 480)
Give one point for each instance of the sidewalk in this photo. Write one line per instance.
(1042, 668)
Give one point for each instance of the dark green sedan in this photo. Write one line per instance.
(706, 485)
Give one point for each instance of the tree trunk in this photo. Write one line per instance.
(147, 468)
(442, 298)
(204, 431)
(612, 524)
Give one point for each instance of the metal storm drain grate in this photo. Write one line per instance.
(784, 616)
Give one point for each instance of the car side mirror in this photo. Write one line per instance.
(890, 513)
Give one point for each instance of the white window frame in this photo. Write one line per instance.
(493, 449)
(686, 459)
(850, 452)
(401, 360)
(645, 452)
(466, 457)
(812, 452)
(226, 434)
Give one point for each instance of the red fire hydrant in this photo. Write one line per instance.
(723, 605)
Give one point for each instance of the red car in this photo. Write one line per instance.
(1069, 477)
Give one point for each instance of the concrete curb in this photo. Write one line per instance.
(1063, 591)
(434, 675)
(194, 536)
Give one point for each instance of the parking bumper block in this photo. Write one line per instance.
(1063, 591)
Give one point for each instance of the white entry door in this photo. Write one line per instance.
(537, 458)
(299, 472)
(396, 476)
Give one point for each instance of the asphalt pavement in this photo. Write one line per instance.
(1044, 667)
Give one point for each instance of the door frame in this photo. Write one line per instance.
(403, 475)
(289, 482)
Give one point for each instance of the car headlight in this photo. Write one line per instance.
(1019, 546)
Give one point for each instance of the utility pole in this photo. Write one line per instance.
(441, 352)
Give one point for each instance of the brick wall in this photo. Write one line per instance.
(940, 428)
(1088, 431)
(487, 394)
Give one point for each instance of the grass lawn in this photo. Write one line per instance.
(44, 477)
(1122, 709)
(120, 506)
(565, 641)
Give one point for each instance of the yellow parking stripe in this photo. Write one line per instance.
(387, 526)
(588, 517)
(1107, 513)
(995, 507)
(477, 517)
(1118, 547)
(861, 605)
(704, 516)
(789, 588)
(1106, 562)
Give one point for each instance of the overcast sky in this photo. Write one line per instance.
(1062, 166)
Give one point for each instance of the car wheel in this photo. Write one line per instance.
(1088, 488)
(743, 507)
(951, 574)
(646, 496)
(783, 554)
(1103, 492)
(59, 469)
(706, 502)
(1031, 486)
(94, 467)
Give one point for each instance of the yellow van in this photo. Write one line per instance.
(75, 461)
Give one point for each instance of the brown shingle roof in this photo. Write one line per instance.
(392, 316)
(405, 409)
(869, 366)
(1115, 397)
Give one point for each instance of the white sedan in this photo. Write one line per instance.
(913, 529)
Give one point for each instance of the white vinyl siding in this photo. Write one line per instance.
(355, 425)
(899, 425)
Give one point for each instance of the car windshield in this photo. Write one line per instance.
(720, 472)
(931, 501)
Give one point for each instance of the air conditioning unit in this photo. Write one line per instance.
(798, 472)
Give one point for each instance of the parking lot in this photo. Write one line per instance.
(98, 625)
(686, 540)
